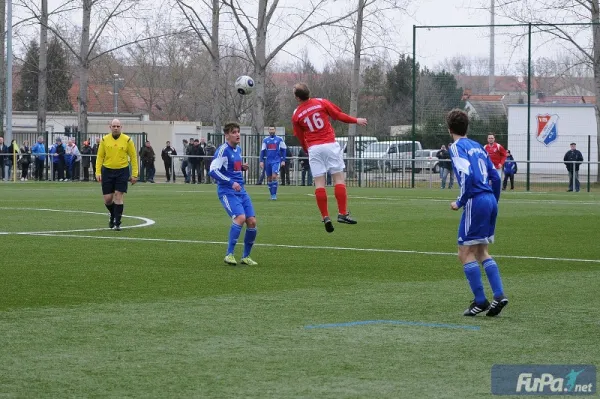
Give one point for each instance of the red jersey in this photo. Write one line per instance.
(311, 122)
(497, 154)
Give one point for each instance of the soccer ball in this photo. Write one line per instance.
(244, 85)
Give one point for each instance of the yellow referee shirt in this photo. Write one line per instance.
(116, 154)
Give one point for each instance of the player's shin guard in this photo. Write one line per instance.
(118, 212)
(234, 235)
(270, 186)
(341, 196)
(275, 186)
(249, 239)
(473, 274)
(493, 275)
(321, 196)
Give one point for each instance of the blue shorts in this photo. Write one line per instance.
(272, 168)
(237, 203)
(478, 222)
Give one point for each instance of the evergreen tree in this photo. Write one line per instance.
(26, 97)
(59, 80)
(59, 77)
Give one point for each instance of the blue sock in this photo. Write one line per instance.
(270, 184)
(234, 234)
(249, 238)
(275, 185)
(493, 275)
(473, 274)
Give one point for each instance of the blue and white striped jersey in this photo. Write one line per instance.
(226, 166)
(474, 171)
(273, 149)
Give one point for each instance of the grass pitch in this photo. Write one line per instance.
(369, 311)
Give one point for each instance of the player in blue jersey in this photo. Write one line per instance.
(226, 169)
(272, 157)
(479, 184)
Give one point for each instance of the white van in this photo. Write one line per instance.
(388, 155)
(360, 144)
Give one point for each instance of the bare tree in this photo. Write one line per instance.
(292, 23)
(576, 11)
(210, 40)
(43, 69)
(2, 61)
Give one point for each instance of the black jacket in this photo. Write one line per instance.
(166, 153)
(303, 159)
(4, 158)
(444, 154)
(195, 150)
(573, 156)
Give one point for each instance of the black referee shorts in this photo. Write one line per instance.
(114, 180)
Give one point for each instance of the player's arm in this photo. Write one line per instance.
(131, 151)
(336, 113)
(300, 134)
(494, 178)
(215, 168)
(100, 158)
(263, 152)
(282, 150)
(462, 171)
(504, 154)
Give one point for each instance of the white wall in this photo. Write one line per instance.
(575, 123)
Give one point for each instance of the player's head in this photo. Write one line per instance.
(491, 138)
(232, 133)
(457, 121)
(271, 131)
(115, 127)
(573, 146)
(301, 92)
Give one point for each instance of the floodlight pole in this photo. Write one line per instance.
(9, 72)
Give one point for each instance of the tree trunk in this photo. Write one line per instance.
(43, 70)
(84, 65)
(216, 66)
(351, 153)
(260, 66)
(596, 55)
(2, 64)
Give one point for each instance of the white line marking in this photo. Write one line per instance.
(147, 222)
(316, 247)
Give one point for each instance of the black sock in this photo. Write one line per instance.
(111, 209)
(118, 213)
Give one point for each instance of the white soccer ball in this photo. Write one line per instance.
(244, 85)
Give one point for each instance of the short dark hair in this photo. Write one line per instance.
(572, 144)
(301, 91)
(457, 121)
(228, 128)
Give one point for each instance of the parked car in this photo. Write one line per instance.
(426, 159)
(389, 155)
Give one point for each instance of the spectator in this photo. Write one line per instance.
(445, 165)
(95, 153)
(305, 166)
(573, 158)
(86, 160)
(3, 160)
(185, 162)
(72, 160)
(25, 160)
(57, 151)
(285, 172)
(147, 156)
(142, 174)
(13, 149)
(166, 155)
(203, 160)
(195, 152)
(209, 152)
(451, 173)
(496, 152)
(39, 152)
(510, 169)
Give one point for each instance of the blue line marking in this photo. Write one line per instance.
(396, 322)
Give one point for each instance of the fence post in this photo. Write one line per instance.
(528, 109)
(589, 154)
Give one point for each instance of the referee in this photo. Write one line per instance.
(115, 152)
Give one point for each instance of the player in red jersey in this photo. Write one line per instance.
(496, 152)
(317, 137)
